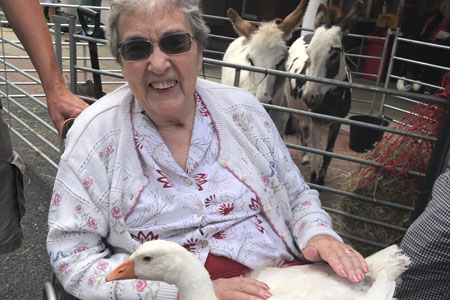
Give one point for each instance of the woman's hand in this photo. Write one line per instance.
(344, 260)
(241, 288)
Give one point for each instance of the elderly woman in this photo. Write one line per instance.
(169, 156)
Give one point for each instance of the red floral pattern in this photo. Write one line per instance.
(164, 180)
(226, 208)
(200, 179)
(142, 237)
(254, 205)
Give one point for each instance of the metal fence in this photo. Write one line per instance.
(76, 65)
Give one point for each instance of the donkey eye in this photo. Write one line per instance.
(334, 56)
(251, 61)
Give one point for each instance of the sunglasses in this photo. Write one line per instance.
(140, 49)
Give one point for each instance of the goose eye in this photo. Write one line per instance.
(251, 61)
(147, 258)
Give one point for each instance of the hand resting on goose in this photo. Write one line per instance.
(166, 261)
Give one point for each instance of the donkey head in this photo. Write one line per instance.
(266, 47)
(326, 52)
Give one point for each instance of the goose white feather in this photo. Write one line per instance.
(169, 262)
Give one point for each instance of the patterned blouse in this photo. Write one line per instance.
(204, 208)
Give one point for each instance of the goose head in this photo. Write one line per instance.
(166, 261)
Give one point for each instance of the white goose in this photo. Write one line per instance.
(169, 262)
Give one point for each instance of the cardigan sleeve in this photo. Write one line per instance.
(77, 242)
(308, 218)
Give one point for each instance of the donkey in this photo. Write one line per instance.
(321, 54)
(264, 47)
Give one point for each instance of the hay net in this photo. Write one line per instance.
(398, 154)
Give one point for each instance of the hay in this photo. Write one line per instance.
(397, 155)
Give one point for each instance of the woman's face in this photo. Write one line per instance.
(163, 84)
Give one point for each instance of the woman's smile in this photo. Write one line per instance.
(163, 85)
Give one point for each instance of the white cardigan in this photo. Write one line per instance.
(100, 178)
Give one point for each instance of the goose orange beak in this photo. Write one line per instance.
(124, 271)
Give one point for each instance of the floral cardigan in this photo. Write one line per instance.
(100, 179)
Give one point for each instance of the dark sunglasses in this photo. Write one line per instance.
(140, 49)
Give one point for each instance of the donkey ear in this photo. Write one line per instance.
(352, 16)
(322, 17)
(293, 19)
(242, 28)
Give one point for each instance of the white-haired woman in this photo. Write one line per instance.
(169, 156)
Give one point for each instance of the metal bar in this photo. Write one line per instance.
(90, 39)
(325, 80)
(389, 71)
(380, 69)
(58, 20)
(37, 134)
(14, 44)
(36, 80)
(424, 43)
(227, 38)
(362, 240)
(51, 162)
(36, 117)
(422, 63)
(364, 74)
(347, 158)
(237, 77)
(363, 56)
(98, 71)
(419, 82)
(73, 55)
(34, 99)
(359, 197)
(349, 122)
(365, 220)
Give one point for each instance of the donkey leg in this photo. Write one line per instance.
(280, 119)
(317, 131)
(304, 139)
(333, 132)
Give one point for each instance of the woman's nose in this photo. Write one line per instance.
(158, 62)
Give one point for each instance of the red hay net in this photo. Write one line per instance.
(407, 153)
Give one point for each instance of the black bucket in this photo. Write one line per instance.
(363, 139)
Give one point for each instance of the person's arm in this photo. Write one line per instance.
(28, 22)
(311, 226)
(79, 228)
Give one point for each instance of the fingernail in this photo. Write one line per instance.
(266, 287)
(268, 295)
(360, 277)
(365, 270)
(355, 278)
(343, 273)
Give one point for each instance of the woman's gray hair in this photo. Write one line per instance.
(191, 8)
